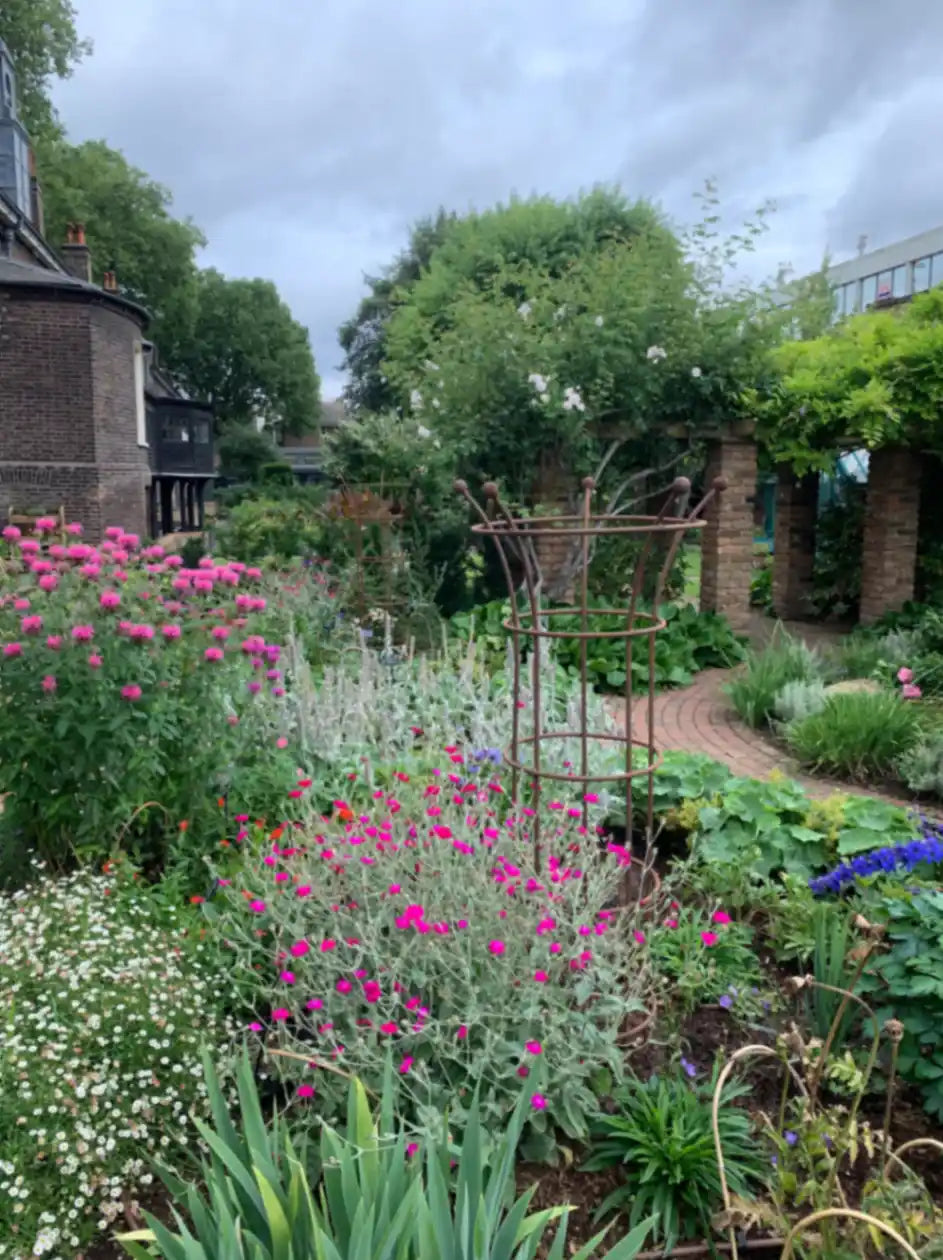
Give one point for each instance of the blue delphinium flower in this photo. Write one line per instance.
(927, 849)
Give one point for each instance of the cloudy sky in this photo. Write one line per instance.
(304, 136)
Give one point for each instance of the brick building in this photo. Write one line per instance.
(88, 424)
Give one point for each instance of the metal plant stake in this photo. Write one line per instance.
(520, 539)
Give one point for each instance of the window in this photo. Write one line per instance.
(921, 275)
(201, 433)
(175, 431)
(869, 287)
(851, 298)
(899, 282)
(140, 402)
(884, 286)
(838, 302)
(936, 269)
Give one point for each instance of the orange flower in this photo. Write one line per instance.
(196, 900)
(277, 833)
(221, 802)
(184, 825)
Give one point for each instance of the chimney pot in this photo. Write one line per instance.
(76, 254)
(80, 233)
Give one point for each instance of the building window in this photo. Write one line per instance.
(201, 433)
(175, 431)
(140, 402)
(884, 286)
(921, 275)
(869, 288)
(936, 269)
(851, 298)
(899, 282)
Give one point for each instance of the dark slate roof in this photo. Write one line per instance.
(29, 275)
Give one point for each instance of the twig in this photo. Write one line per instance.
(847, 1213)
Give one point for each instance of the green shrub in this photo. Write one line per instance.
(378, 1196)
(129, 697)
(661, 1138)
(106, 995)
(753, 692)
(858, 735)
(391, 932)
(284, 528)
(800, 699)
(922, 767)
(701, 957)
(276, 473)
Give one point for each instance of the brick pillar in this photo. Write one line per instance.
(797, 506)
(727, 538)
(889, 548)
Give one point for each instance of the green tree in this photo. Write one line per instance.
(45, 45)
(130, 230)
(243, 451)
(247, 356)
(363, 337)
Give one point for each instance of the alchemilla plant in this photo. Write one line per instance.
(106, 996)
(442, 934)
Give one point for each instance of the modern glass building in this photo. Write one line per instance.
(891, 274)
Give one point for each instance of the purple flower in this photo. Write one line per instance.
(726, 1001)
(688, 1067)
(791, 1138)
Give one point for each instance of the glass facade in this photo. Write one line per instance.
(936, 269)
(921, 275)
(869, 289)
(890, 285)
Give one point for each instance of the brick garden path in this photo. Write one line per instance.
(700, 719)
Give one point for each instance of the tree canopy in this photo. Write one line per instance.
(42, 36)
(875, 379)
(247, 356)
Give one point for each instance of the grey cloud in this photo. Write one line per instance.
(304, 138)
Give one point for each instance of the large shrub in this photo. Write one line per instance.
(131, 687)
(434, 929)
(106, 996)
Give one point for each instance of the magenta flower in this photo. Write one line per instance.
(49, 683)
(281, 1013)
(257, 907)
(170, 631)
(95, 661)
(639, 937)
(412, 1148)
(48, 582)
(533, 1047)
(11, 533)
(721, 916)
(32, 624)
(74, 529)
(287, 977)
(389, 1028)
(141, 633)
(314, 1004)
(109, 599)
(462, 1032)
(305, 1091)
(406, 1064)
(910, 691)
(905, 675)
(496, 947)
(372, 991)
(54, 641)
(82, 634)
(131, 691)
(343, 986)
(220, 632)
(299, 949)
(541, 977)
(45, 524)
(253, 686)
(213, 654)
(12, 649)
(709, 938)
(538, 1102)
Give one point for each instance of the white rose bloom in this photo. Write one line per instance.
(695, 372)
(572, 400)
(423, 432)
(544, 398)
(654, 353)
(415, 400)
(436, 404)
(539, 382)
(598, 321)
(524, 310)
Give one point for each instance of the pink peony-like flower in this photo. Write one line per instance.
(372, 991)
(343, 986)
(74, 529)
(141, 633)
(109, 599)
(48, 582)
(281, 1013)
(32, 624)
(11, 533)
(214, 654)
(131, 691)
(13, 649)
(905, 675)
(910, 691)
(95, 661)
(287, 977)
(45, 524)
(257, 907)
(49, 682)
(299, 949)
(709, 938)
(82, 634)
(54, 641)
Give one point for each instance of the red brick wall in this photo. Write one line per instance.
(889, 549)
(727, 538)
(797, 500)
(67, 411)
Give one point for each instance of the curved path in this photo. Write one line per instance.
(700, 719)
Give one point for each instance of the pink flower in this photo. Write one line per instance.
(32, 624)
(170, 631)
(74, 529)
(95, 661)
(533, 1047)
(11, 533)
(462, 1032)
(305, 1091)
(255, 1027)
(721, 916)
(639, 937)
(555, 947)
(48, 582)
(54, 641)
(45, 524)
(131, 691)
(910, 691)
(213, 654)
(538, 1102)
(12, 649)
(141, 633)
(257, 907)
(412, 1148)
(82, 634)
(327, 945)
(281, 742)
(541, 977)
(299, 949)
(220, 632)
(314, 1004)
(671, 923)
(109, 599)
(343, 986)
(281, 1013)
(406, 1064)
(709, 938)
(49, 683)
(496, 947)
(372, 991)
(905, 675)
